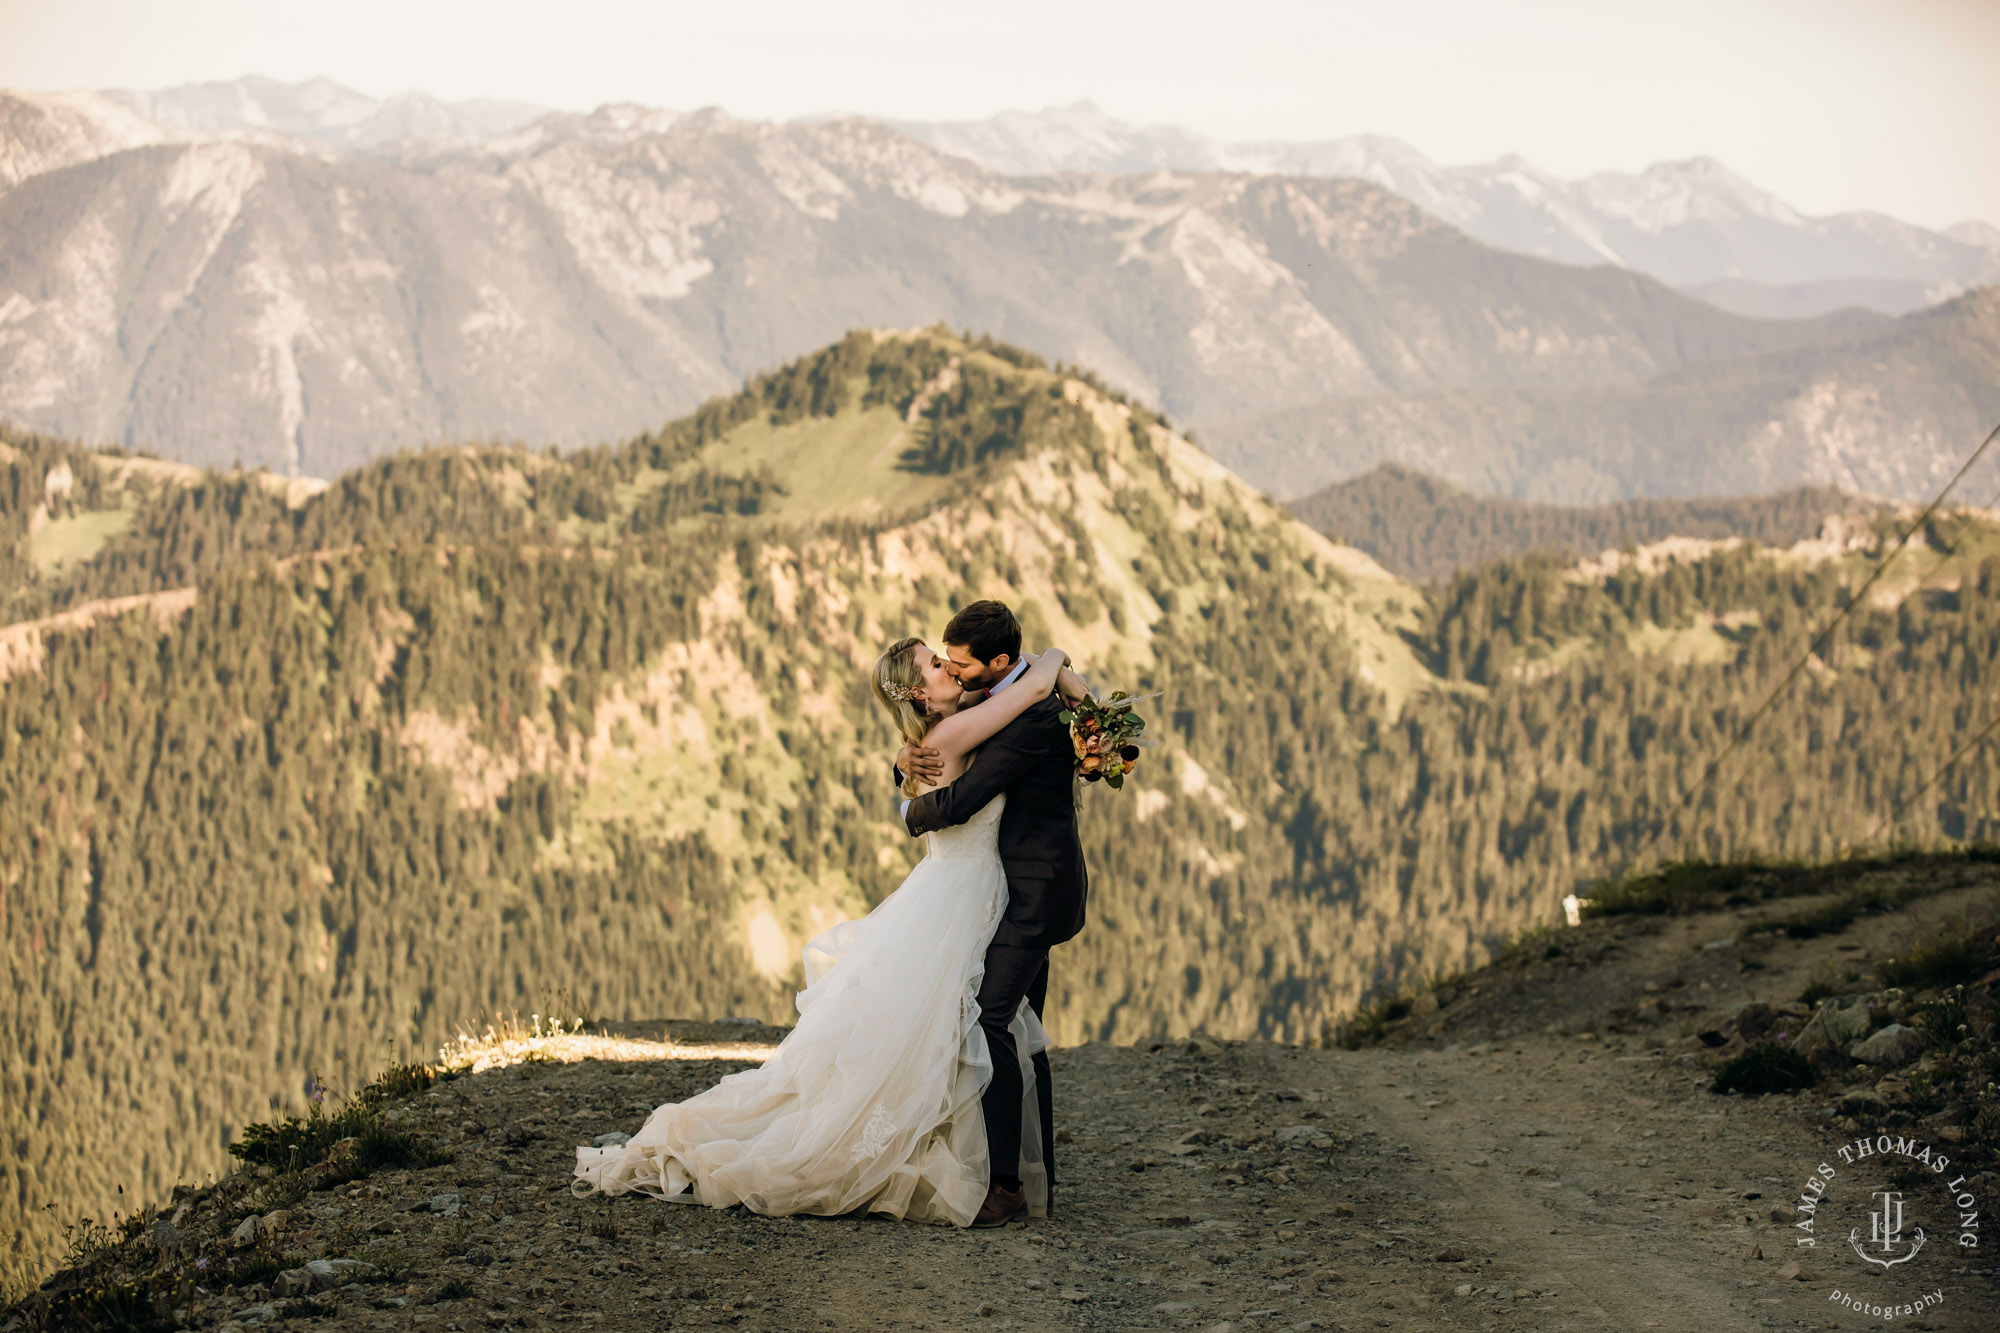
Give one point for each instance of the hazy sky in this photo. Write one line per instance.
(1833, 104)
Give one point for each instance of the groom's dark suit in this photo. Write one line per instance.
(1032, 761)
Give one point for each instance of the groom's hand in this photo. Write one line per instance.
(920, 762)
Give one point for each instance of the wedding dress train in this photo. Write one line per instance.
(872, 1101)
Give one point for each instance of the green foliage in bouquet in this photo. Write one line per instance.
(1107, 737)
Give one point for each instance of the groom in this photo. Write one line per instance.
(1032, 761)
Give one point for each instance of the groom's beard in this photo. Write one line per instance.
(981, 677)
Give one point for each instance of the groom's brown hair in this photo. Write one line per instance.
(986, 630)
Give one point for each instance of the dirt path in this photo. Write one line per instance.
(1557, 1184)
(1540, 1153)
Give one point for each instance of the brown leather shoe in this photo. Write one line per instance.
(1001, 1207)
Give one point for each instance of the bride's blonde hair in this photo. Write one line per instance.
(897, 680)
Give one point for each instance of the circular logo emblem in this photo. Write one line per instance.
(1884, 1215)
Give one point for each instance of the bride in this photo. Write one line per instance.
(873, 1100)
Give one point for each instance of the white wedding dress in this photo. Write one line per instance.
(872, 1101)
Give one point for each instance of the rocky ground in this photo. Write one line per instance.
(1534, 1146)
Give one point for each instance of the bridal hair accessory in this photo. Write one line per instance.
(899, 692)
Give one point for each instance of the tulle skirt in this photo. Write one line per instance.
(872, 1102)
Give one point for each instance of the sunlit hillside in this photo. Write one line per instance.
(291, 779)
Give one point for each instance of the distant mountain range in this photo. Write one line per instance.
(1694, 225)
(1420, 527)
(305, 292)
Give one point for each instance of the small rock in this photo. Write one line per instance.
(1839, 1020)
(275, 1221)
(292, 1282)
(986, 1310)
(1462, 1289)
(1343, 1210)
(1173, 1307)
(337, 1272)
(738, 1021)
(1203, 1046)
(612, 1140)
(446, 1205)
(246, 1232)
(1792, 1273)
(479, 1256)
(1753, 1020)
(1450, 1254)
(1427, 1003)
(1893, 1046)
(257, 1315)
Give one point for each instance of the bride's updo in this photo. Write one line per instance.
(897, 681)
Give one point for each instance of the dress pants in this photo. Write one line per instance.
(1014, 973)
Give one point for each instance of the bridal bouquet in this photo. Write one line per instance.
(1107, 736)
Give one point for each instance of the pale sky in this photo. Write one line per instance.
(1831, 104)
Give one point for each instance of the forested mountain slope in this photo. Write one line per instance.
(478, 725)
(1423, 527)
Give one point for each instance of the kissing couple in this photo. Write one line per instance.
(916, 1082)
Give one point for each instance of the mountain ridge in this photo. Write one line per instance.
(1693, 224)
(584, 278)
(1422, 527)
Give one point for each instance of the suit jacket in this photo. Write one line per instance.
(1032, 760)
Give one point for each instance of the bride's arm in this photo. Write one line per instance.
(1071, 686)
(968, 727)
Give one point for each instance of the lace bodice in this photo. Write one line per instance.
(978, 836)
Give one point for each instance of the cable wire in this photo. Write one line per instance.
(1811, 652)
(1889, 820)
